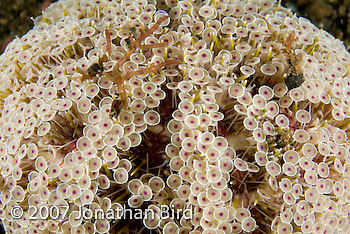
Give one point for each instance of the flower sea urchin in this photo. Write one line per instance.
(236, 111)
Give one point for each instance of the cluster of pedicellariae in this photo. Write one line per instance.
(236, 110)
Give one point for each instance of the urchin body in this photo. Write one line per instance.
(238, 111)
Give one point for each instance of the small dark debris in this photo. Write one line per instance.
(294, 80)
(116, 108)
(128, 41)
(94, 69)
(283, 139)
(133, 31)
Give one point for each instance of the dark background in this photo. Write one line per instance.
(15, 17)
(331, 15)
